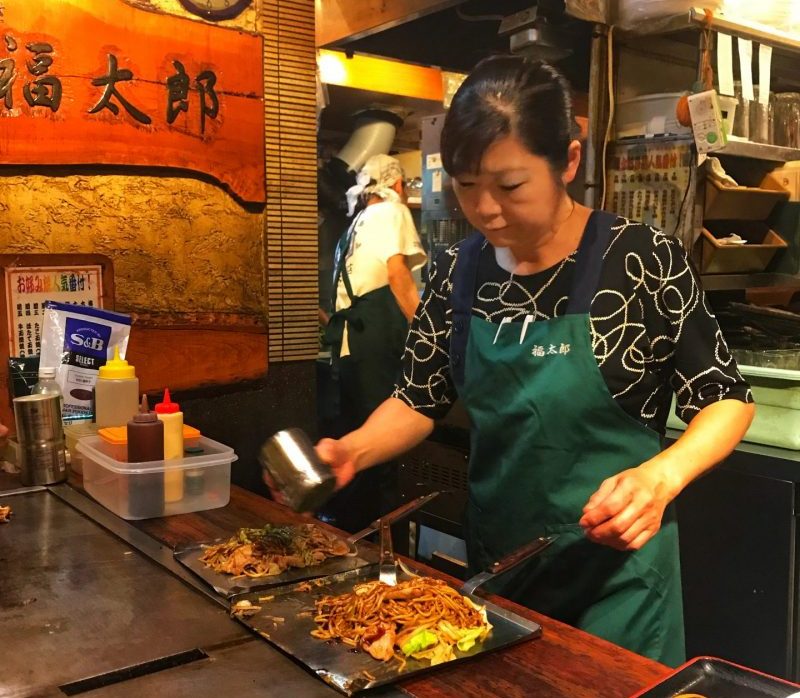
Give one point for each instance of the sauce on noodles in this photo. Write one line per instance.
(423, 618)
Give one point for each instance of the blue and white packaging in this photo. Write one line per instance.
(77, 340)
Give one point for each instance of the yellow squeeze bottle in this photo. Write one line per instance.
(116, 392)
(170, 414)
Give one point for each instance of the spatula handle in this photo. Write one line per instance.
(520, 554)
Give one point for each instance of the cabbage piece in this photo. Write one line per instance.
(469, 638)
(419, 641)
(464, 638)
(437, 654)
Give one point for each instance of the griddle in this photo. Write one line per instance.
(340, 666)
(78, 602)
(715, 678)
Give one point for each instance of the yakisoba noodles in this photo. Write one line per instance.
(423, 618)
(272, 549)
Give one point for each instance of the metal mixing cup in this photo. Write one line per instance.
(42, 448)
(291, 462)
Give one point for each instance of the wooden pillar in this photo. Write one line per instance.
(290, 221)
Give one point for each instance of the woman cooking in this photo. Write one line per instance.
(564, 331)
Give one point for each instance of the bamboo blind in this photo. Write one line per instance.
(290, 223)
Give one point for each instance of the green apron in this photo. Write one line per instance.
(376, 329)
(545, 433)
(376, 333)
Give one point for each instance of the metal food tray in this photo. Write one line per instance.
(715, 678)
(342, 667)
(228, 585)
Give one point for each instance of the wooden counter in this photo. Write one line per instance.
(563, 663)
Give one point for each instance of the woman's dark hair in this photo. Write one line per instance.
(506, 95)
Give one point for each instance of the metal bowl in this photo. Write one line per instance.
(292, 464)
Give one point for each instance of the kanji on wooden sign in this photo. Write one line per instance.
(101, 82)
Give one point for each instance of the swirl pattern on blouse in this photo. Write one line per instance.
(653, 333)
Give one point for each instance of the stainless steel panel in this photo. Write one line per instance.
(336, 663)
(251, 669)
(76, 602)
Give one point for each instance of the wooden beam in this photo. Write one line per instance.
(380, 75)
(181, 358)
(341, 20)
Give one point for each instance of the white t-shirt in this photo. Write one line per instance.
(383, 230)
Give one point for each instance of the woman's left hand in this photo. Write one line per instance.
(626, 511)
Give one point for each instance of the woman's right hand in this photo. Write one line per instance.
(338, 456)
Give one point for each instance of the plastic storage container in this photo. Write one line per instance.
(135, 490)
(776, 392)
(649, 115)
(73, 432)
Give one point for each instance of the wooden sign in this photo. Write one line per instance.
(100, 82)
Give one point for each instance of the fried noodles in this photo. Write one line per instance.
(271, 550)
(423, 618)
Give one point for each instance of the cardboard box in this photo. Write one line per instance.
(720, 258)
(745, 203)
(789, 179)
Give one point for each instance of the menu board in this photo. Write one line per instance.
(27, 288)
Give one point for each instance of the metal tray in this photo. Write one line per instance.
(715, 678)
(227, 585)
(339, 665)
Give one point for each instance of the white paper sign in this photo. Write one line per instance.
(764, 72)
(436, 183)
(725, 64)
(27, 288)
(746, 67)
(433, 161)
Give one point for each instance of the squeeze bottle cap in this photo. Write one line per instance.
(144, 414)
(167, 406)
(116, 367)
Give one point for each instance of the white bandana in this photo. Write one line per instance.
(378, 175)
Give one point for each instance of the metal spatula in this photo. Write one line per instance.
(393, 516)
(506, 563)
(387, 564)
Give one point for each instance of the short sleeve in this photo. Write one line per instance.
(702, 368)
(395, 233)
(426, 384)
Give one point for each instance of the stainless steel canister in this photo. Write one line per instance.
(291, 462)
(42, 458)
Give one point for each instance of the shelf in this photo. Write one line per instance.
(695, 19)
(759, 151)
(736, 282)
(740, 149)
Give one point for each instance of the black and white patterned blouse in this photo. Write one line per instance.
(652, 331)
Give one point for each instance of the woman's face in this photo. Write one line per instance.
(515, 197)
